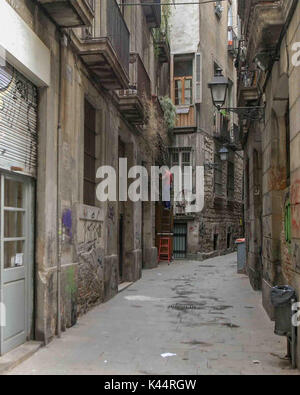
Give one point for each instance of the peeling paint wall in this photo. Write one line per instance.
(185, 28)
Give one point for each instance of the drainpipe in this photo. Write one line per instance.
(63, 43)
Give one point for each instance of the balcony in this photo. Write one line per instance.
(152, 12)
(162, 46)
(263, 23)
(104, 48)
(131, 100)
(248, 88)
(70, 13)
(185, 117)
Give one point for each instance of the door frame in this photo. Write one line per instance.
(29, 206)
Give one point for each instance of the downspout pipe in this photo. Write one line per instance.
(63, 43)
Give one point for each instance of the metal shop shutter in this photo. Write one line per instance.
(18, 122)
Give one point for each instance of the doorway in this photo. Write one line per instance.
(180, 241)
(121, 154)
(16, 263)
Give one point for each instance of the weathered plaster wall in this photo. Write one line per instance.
(89, 253)
(184, 36)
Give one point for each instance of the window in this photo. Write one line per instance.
(230, 180)
(230, 25)
(183, 91)
(182, 158)
(183, 82)
(218, 179)
(230, 15)
(89, 186)
(288, 146)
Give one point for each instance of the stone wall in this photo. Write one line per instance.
(273, 258)
(221, 216)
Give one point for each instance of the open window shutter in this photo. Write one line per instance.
(198, 78)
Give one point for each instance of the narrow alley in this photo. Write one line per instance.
(150, 187)
(203, 312)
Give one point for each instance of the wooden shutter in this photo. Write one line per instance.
(198, 78)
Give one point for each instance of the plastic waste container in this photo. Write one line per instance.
(241, 255)
(281, 298)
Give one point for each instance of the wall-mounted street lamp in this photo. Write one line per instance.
(224, 153)
(219, 88)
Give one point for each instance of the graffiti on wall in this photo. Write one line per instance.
(88, 226)
(18, 121)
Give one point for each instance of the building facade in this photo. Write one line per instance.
(198, 48)
(269, 75)
(75, 95)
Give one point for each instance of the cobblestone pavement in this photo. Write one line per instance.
(203, 312)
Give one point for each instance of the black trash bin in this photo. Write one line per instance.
(281, 298)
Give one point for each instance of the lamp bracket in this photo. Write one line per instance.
(211, 166)
(248, 113)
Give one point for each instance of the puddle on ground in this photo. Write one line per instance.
(230, 325)
(197, 343)
(221, 308)
(207, 266)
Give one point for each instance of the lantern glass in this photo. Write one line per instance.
(219, 93)
(224, 153)
(219, 87)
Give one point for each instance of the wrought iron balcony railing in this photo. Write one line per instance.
(132, 100)
(152, 12)
(104, 47)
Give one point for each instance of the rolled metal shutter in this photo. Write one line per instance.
(18, 122)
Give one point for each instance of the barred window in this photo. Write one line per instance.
(89, 191)
(218, 177)
(230, 180)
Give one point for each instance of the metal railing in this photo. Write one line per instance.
(155, 5)
(113, 27)
(140, 83)
(118, 32)
(248, 79)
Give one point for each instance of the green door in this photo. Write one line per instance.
(16, 252)
(180, 241)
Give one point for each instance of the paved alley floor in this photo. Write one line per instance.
(204, 312)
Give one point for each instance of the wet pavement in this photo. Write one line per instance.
(202, 313)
